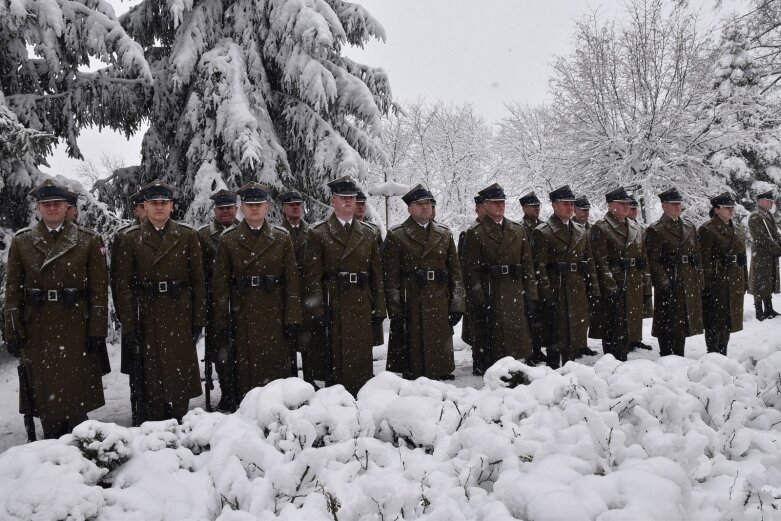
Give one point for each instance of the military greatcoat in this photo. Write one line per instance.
(256, 309)
(499, 274)
(378, 334)
(65, 378)
(536, 320)
(150, 261)
(621, 261)
(343, 293)
(126, 357)
(765, 251)
(467, 325)
(423, 284)
(725, 276)
(565, 275)
(673, 256)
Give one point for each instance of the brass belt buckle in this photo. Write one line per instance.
(52, 295)
(162, 287)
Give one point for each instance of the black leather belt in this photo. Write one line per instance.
(626, 263)
(170, 288)
(672, 260)
(739, 259)
(500, 270)
(65, 296)
(346, 279)
(267, 282)
(423, 277)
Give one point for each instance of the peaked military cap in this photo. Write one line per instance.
(478, 200)
(418, 193)
(291, 196)
(71, 197)
(223, 198)
(253, 193)
(49, 191)
(360, 197)
(562, 194)
(765, 195)
(493, 193)
(138, 198)
(344, 186)
(158, 191)
(581, 203)
(723, 200)
(671, 195)
(633, 202)
(530, 199)
(618, 195)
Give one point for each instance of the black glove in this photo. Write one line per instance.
(290, 330)
(319, 321)
(196, 334)
(454, 318)
(377, 321)
(646, 300)
(131, 342)
(482, 311)
(15, 346)
(95, 344)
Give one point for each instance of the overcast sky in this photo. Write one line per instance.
(486, 53)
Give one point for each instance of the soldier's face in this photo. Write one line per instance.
(158, 211)
(633, 213)
(140, 212)
(360, 210)
(494, 210)
(421, 211)
(564, 210)
(225, 215)
(725, 213)
(532, 211)
(53, 212)
(672, 210)
(344, 206)
(71, 213)
(619, 210)
(765, 204)
(293, 211)
(479, 210)
(254, 213)
(581, 215)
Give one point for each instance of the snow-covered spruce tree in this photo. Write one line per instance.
(748, 155)
(49, 83)
(257, 90)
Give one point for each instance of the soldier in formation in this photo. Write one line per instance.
(725, 276)
(378, 335)
(467, 326)
(425, 292)
(530, 205)
(648, 305)
(675, 264)
(765, 251)
(223, 217)
(256, 295)
(582, 213)
(566, 279)
(56, 315)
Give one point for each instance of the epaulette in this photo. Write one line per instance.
(204, 227)
(474, 225)
(319, 223)
(395, 227)
(131, 228)
(578, 225)
(185, 225)
(229, 229)
(123, 229)
(280, 228)
(86, 230)
(23, 231)
(442, 225)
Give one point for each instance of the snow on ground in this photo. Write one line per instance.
(680, 438)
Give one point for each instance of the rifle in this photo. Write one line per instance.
(553, 349)
(208, 384)
(329, 358)
(140, 410)
(406, 349)
(488, 348)
(26, 394)
(231, 390)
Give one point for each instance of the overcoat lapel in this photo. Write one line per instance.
(415, 232)
(337, 231)
(633, 229)
(170, 238)
(66, 241)
(508, 236)
(435, 235)
(358, 232)
(560, 231)
(577, 235)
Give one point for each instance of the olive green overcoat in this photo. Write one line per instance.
(537, 322)
(64, 377)
(499, 272)
(765, 251)
(209, 236)
(423, 284)
(342, 340)
(378, 334)
(166, 321)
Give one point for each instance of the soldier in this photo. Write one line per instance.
(620, 257)
(425, 292)
(765, 250)
(162, 320)
(56, 315)
(224, 216)
(723, 250)
(292, 203)
(256, 296)
(126, 355)
(565, 275)
(530, 204)
(72, 198)
(344, 292)
(673, 256)
(499, 273)
(582, 212)
(467, 326)
(378, 335)
(648, 305)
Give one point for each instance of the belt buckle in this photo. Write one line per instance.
(430, 274)
(684, 259)
(162, 287)
(632, 261)
(732, 259)
(254, 281)
(52, 295)
(573, 267)
(505, 269)
(353, 278)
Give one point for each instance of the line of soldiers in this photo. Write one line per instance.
(267, 293)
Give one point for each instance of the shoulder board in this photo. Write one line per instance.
(184, 225)
(204, 227)
(281, 228)
(474, 225)
(578, 225)
(229, 229)
(23, 231)
(442, 225)
(89, 231)
(318, 224)
(544, 225)
(131, 228)
(396, 227)
(124, 228)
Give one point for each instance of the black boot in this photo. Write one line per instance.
(758, 309)
(769, 311)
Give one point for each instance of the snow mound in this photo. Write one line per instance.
(655, 440)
